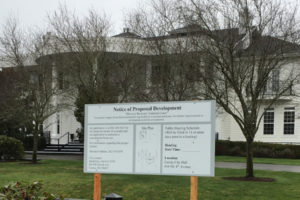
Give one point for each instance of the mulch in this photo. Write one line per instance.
(254, 179)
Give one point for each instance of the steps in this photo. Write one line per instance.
(72, 148)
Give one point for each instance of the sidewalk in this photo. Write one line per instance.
(268, 167)
(230, 165)
(55, 157)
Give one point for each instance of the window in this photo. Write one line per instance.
(269, 121)
(58, 122)
(273, 84)
(40, 81)
(33, 78)
(41, 127)
(289, 120)
(289, 90)
(60, 81)
(192, 73)
(275, 80)
(209, 69)
(156, 73)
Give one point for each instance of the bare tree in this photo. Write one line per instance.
(13, 48)
(102, 69)
(36, 92)
(241, 52)
(245, 51)
(11, 119)
(172, 74)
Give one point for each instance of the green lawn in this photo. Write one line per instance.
(276, 161)
(66, 178)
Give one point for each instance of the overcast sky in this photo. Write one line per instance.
(34, 12)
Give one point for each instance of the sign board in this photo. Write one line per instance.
(162, 138)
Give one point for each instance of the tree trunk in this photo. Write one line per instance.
(249, 168)
(35, 144)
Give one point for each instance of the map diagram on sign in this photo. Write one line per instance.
(146, 158)
(147, 155)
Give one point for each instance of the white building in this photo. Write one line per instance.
(280, 123)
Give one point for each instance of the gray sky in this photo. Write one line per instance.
(33, 12)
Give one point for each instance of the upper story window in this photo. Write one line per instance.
(275, 80)
(34, 78)
(156, 73)
(289, 91)
(289, 120)
(62, 81)
(269, 121)
(58, 123)
(273, 84)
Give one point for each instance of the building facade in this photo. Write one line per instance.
(279, 124)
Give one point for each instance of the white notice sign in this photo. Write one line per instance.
(163, 138)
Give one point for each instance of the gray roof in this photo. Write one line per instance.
(127, 35)
(259, 43)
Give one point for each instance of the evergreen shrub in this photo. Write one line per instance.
(10, 148)
(260, 149)
(28, 143)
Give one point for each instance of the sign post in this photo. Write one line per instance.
(194, 188)
(161, 138)
(97, 186)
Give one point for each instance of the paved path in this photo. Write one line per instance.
(230, 165)
(55, 157)
(269, 167)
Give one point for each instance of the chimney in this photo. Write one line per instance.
(245, 20)
(126, 30)
(245, 27)
(47, 36)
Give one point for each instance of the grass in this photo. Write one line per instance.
(276, 161)
(67, 178)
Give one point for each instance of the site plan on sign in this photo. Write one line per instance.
(163, 138)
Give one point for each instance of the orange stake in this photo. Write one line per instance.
(97, 186)
(194, 188)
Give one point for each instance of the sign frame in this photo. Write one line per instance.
(212, 123)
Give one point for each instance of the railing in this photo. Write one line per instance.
(288, 92)
(58, 139)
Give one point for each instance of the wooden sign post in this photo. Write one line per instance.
(194, 188)
(97, 186)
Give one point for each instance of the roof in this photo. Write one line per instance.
(187, 29)
(127, 34)
(268, 44)
(258, 43)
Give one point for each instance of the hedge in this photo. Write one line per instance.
(260, 149)
(10, 148)
(28, 143)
